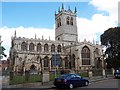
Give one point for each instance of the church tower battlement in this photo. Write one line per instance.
(65, 25)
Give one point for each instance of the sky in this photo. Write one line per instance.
(37, 17)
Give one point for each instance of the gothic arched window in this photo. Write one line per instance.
(39, 47)
(31, 47)
(67, 20)
(52, 48)
(71, 21)
(46, 47)
(24, 46)
(85, 56)
(59, 48)
(46, 61)
(58, 22)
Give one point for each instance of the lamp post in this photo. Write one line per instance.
(77, 64)
(105, 64)
(56, 63)
(41, 70)
(77, 58)
(106, 68)
(70, 66)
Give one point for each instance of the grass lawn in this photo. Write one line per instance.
(21, 79)
(52, 76)
(83, 74)
(18, 79)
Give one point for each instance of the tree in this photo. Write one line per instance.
(111, 39)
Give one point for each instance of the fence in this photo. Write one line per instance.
(17, 78)
(109, 71)
(83, 73)
(97, 72)
(5, 73)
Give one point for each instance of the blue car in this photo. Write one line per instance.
(117, 73)
(70, 81)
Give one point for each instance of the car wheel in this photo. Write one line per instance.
(86, 83)
(70, 86)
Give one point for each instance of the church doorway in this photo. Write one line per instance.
(33, 69)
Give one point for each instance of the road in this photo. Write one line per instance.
(109, 84)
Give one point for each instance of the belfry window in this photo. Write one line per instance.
(85, 56)
(71, 21)
(58, 22)
(67, 20)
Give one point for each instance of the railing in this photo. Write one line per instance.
(97, 72)
(109, 71)
(17, 78)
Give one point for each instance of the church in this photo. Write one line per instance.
(65, 52)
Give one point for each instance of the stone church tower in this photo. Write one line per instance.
(65, 26)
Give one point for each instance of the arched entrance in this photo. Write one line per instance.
(33, 69)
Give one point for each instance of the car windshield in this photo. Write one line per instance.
(63, 76)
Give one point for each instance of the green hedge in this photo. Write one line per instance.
(97, 72)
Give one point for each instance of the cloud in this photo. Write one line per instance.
(91, 28)
(21, 31)
(110, 6)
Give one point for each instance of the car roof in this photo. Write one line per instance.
(69, 74)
